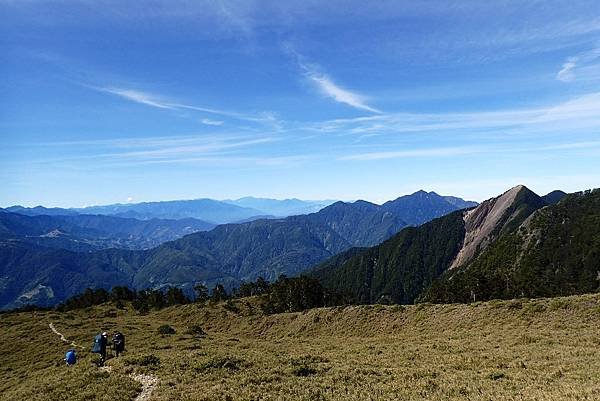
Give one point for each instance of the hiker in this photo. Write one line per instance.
(99, 347)
(118, 342)
(71, 357)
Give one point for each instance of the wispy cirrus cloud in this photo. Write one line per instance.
(137, 97)
(325, 84)
(162, 102)
(566, 73)
(208, 121)
(164, 150)
(330, 89)
(411, 153)
(582, 112)
(452, 151)
(584, 66)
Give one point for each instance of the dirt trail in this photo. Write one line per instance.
(62, 337)
(148, 382)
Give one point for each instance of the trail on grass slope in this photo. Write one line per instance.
(62, 337)
(148, 382)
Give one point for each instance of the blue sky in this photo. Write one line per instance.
(109, 101)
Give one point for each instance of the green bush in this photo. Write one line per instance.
(145, 360)
(306, 365)
(166, 330)
(496, 376)
(227, 362)
(304, 370)
(230, 306)
(196, 330)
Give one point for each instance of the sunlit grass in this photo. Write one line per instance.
(500, 350)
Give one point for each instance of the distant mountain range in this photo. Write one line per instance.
(81, 232)
(209, 210)
(281, 208)
(31, 272)
(518, 244)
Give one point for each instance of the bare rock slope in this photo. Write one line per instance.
(483, 223)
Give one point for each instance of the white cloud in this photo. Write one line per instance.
(401, 154)
(337, 93)
(579, 113)
(160, 102)
(208, 121)
(584, 66)
(326, 85)
(137, 96)
(566, 74)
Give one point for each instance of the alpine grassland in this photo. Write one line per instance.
(523, 349)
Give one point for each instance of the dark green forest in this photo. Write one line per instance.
(400, 268)
(555, 253)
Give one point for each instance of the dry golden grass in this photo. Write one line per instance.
(512, 350)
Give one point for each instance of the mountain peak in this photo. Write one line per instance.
(554, 196)
(422, 206)
(494, 215)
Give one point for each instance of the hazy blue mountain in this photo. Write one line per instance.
(421, 206)
(227, 254)
(554, 196)
(459, 202)
(41, 210)
(203, 209)
(93, 232)
(281, 208)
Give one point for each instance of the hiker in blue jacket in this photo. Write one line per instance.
(71, 357)
(99, 347)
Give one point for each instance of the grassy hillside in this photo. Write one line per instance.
(545, 349)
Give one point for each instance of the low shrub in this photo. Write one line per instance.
(166, 330)
(306, 365)
(145, 360)
(559, 303)
(196, 330)
(231, 307)
(303, 371)
(496, 376)
(227, 362)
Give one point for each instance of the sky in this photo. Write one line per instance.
(115, 101)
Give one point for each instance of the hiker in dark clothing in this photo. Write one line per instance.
(118, 342)
(99, 347)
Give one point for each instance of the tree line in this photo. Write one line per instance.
(286, 294)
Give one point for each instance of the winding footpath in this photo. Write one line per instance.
(148, 382)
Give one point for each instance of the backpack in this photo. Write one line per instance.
(70, 357)
(98, 342)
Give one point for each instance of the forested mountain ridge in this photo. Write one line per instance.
(554, 252)
(421, 207)
(402, 268)
(227, 254)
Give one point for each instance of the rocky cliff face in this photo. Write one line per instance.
(483, 221)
